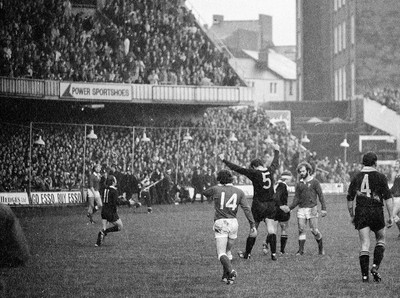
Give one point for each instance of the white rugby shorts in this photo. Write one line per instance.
(226, 227)
(307, 213)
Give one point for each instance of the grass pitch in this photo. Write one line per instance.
(171, 253)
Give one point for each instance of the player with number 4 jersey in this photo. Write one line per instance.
(370, 190)
(226, 199)
(264, 206)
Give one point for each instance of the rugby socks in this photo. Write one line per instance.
(111, 230)
(271, 239)
(226, 263)
(378, 253)
(249, 244)
(302, 242)
(364, 262)
(284, 239)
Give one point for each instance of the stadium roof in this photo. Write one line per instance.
(278, 63)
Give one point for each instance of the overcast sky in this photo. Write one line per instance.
(283, 14)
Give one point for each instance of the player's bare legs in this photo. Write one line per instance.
(396, 212)
(229, 246)
(302, 224)
(317, 234)
(222, 247)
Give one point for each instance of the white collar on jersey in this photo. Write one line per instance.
(305, 181)
(368, 169)
(228, 184)
(112, 186)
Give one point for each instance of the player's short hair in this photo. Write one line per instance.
(111, 180)
(369, 159)
(256, 163)
(304, 164)
(224, 177)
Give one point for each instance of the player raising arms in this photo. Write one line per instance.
(226, 199)
(370, 189)
(109, 211)
(263, 207)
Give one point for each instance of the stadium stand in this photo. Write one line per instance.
(152, 42)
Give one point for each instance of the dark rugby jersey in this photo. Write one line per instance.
(281, 193)
(226, 199)
(263, 181)
(110, 199)
(395, 190)
(369, 188)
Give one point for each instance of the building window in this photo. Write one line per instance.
(344, 35)
(336, 92)
(291, 88)
(340, 84)
(272, 87)
(335, 41)
(334, 5)
(353, 79)
(299, 44)
(344, 83)
(343, 2)
(299, 88)
(353, 29)
(339, 29)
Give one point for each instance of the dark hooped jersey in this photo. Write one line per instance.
(263, 181)
(226, 199)
(369, 188)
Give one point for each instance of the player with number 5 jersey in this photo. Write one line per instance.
(226, 199)
(264, 206)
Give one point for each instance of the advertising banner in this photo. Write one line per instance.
(85, 91)
(14, 198)
(62, 197)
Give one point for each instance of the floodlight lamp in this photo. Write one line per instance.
(92, 135)
(187, 137)
(233, 138)
(145, 138)
(39, 141)
(344, 144)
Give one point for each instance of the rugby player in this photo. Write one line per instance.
(227, 198)
(281, 197)
(94, 192)
(263, 207)
(370, 190)
(308, 191)
(109, 211)
(395, 190)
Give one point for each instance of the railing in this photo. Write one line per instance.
(183, 94)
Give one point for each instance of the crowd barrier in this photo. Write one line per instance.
(78, 197)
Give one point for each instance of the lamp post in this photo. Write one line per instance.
(177, 154)
(304, 139)
(133, 147)
(345, 145)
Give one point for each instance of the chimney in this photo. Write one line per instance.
(217, 19)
